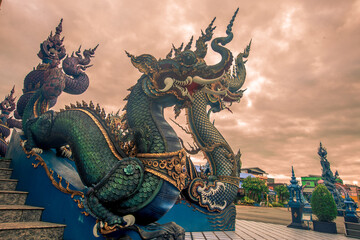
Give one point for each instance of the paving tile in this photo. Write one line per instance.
(250, 230)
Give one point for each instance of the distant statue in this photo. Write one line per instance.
(329, 178)
(327, 174)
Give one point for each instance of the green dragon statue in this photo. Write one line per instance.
(134, 171)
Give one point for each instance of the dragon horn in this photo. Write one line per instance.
(59, 27)
(188, 46)
(178, 50)
(247, 50)
(201, 48)
(229, 27)
(169, 55)
(93, 50)
(87, 66)
(129, 55)
(226, 56)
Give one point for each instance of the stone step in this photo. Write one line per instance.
(352, 225)
(31, 230)
(352, 229)
(5, 173)
(20, 213)
(8, 184)
(12, 197)
(5, 163)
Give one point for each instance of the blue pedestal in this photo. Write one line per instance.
(195, 219)
(59, 207)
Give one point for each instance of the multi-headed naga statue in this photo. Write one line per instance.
(135, 171)
(7, 106)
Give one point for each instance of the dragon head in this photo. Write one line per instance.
(184, 71)
(228, 90)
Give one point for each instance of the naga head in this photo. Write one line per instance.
(52, 49)
(8, 105)
(77, 63)
(184, 71)
(322, 152)
(228, 90)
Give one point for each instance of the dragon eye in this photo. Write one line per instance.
(188, 58)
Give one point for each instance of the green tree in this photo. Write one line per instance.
(283, 193)
(339, 180)
(254, 188)
(323, 204)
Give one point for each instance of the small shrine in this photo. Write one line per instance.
(296, 203)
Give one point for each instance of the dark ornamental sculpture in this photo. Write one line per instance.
(7, 106)
(350, 211)
(135, 167)
(52, 80)
(296, 203)
(329, 178)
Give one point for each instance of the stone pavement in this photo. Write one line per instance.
(263, 231)
(274, 215)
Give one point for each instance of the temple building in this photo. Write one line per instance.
(259, 173)
(309, 183)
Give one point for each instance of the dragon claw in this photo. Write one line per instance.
(125, 221)
(23, 143)
(65, 151)
(129, 219)
(37, 150)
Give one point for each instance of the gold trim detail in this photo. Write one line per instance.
(170, 166)
(106, 229)
(34, 108)
(229, 179)
(44, 107)
(4, 126)
(50, 173)
(4, 141)
(160, 155)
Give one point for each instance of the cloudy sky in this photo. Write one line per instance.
(302, 75)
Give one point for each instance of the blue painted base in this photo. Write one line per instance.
(297, 222)
(61, 208)
(195, 219)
